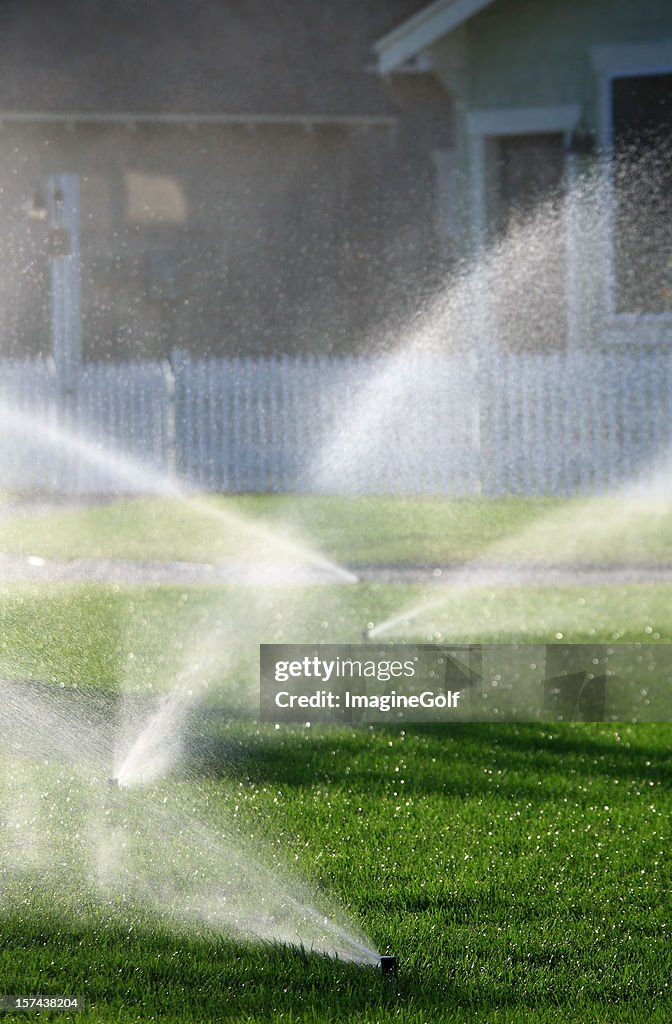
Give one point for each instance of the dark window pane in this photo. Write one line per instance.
(642, 134)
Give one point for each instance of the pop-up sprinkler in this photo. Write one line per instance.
(388, 966)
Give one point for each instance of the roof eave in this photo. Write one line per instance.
(132, 118)
(422, 30)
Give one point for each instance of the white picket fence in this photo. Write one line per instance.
(570, 423)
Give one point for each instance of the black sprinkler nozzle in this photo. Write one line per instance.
(388, 965)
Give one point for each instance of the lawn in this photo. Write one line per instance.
(140, 637)
(520, 872)
(362, 530)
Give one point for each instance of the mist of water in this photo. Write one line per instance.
(139, 841)
(145, 846)
(582, 535)
(268, 558)
(504, 293)
(275, 556)
(148, 848)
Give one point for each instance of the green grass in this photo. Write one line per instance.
(351, 530)
(521, 873)
(140, 638)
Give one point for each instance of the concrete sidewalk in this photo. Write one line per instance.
(82, 570)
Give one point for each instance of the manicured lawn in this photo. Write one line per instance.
(142, 638)
(351, 530)
(520, 873)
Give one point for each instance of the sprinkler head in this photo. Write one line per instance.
(388, 966)
(113, 782)
(366, 635)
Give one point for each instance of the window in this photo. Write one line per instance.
(641, 111)
(526, 214)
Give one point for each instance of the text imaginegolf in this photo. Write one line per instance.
(343, 668)
(321, 699)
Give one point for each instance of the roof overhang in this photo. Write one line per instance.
(422, 30)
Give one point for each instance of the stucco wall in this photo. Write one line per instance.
(218, 239)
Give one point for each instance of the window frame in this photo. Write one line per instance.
(484, 124)
(610, 63)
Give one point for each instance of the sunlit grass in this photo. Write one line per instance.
(358, 530)
(519, 873)
(140, 638)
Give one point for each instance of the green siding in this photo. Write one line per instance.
(537, 53)
(523, 53)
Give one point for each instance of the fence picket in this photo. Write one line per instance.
(565, 423)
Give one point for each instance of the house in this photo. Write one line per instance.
(559, 183)
(246, 182)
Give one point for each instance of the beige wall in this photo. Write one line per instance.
(217, 238)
